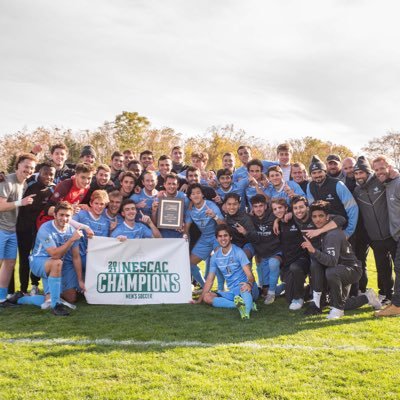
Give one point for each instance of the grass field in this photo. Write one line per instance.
(197, 352)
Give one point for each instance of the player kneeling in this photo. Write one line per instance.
(232, 261)
(56, 243)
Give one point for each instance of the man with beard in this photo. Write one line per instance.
(385, 173)
(370, 195)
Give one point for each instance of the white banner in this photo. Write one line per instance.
(138, 271)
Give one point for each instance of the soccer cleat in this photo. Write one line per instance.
(34, 290)
(254, 307)
(296, 304)
(239, 303)
(373, 299)
(312, 309)
(389, 311)
(384, 300)
(269, 299)
(335, 313)
(60, 310)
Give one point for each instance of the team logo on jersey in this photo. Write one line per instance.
(329, 197)
(56, 195)
(376, 189)
(293, 228)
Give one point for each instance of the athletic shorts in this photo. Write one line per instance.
(230, 294)
(37, 266)
(69, 279)
(204, 246)
(8, 245)
(250, 248)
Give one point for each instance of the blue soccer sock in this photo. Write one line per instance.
(195, 271)
(248, 301)
(3, 293)
(55, 290)
(37, 300)
(221, 302)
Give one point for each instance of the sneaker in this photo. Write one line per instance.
(60, 310)
(69, 305)
(335, 313)
(296, 304)
(373, 299)
(46, 305)
(15, 297)
(389, 311)
(384, 300)
(280, 289)
(239, 303)
(34, 290)
(269, 299)
(312, 309)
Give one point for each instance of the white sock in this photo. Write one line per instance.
(317, 298)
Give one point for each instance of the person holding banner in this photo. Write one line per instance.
(205, 215)
(56, 243)
(232, 261)
(130, 229)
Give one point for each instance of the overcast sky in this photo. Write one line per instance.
(277, 69)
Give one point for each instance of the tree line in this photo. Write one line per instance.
(129, 130)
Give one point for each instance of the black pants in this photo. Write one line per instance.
(396, 291)
(340, 279)
(296, 275)
(384, 254)
(360, 243)
(26, 240)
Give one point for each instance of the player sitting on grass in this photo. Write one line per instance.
(56, 243)
(235, 266)
(130, 229)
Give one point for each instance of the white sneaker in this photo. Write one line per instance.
(373, 299)
(296, 304)
(34, 290)
(46, 305)
(269, 299)
(335, 313)
(69, 305)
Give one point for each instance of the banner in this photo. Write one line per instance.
(137, 271)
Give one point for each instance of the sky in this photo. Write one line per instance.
(276, 69)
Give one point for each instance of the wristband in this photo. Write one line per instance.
(18, 203)
(215, 218)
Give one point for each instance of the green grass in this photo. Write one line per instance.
(198, 352)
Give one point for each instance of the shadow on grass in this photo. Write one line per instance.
(167, 323)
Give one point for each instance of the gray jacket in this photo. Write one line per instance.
(371, 200)
(393, 202)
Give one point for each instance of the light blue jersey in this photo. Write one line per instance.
(118, 218)
(251, 191)
(139, 231)
(272, 192)
(49, 236)
(231, 265)
(205, 223)
(139, 197)
(242, 172)
(238, 188)
(100, 226)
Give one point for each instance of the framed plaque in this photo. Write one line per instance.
(170, 213)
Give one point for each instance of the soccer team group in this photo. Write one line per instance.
(307, 231)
